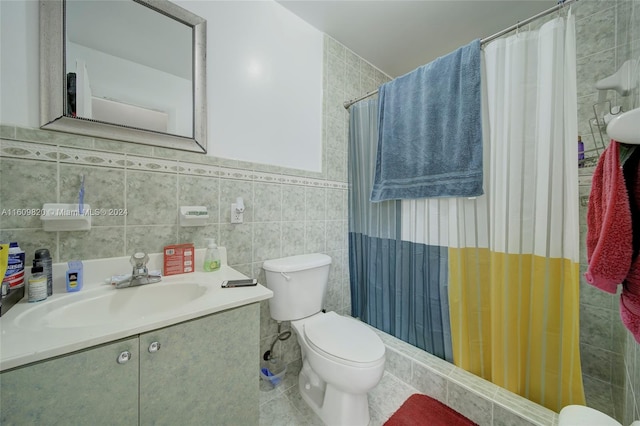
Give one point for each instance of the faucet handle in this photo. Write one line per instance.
(139, 262)
(139, 259)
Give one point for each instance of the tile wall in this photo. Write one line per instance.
(608, 34)
(288, 211)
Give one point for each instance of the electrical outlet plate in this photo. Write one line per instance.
(235, 216)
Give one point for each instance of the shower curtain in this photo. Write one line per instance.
(507, 260)
(398, 285)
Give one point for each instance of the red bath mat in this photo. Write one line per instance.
(422, 410)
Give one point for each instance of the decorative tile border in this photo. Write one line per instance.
(28, 151)
(91, 157)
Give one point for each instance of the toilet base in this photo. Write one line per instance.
(333, 406)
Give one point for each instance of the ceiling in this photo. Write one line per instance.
(398, 36)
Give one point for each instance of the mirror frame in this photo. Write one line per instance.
(53, 82)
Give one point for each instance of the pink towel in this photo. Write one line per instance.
(630, 301)
(609, 239)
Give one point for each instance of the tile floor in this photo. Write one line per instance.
(283, 405)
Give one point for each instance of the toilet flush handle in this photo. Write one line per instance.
(286, 277)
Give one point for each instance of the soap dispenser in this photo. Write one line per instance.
(212, 256)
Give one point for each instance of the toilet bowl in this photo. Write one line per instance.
(343, 360)
(579, 415)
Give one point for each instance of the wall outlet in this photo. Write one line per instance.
(235, 216)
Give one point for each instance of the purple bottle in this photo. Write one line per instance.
(580, 152)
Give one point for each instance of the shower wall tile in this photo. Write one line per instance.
(586, 8)
(598, 395)
(593, 68)
(596, 362)
(596, 32)
(596, 326)
(607, 34)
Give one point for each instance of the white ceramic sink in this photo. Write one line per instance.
(109, 305)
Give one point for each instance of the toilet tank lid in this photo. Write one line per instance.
(297, 263)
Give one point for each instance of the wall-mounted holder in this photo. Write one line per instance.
(193, 215)
(237, 211)
(65, 217)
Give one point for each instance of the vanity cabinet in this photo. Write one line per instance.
(87, 387)
(203, 371)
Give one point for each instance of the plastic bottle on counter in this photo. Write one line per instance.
(211, 256)
(43, 259)
(37, 288)
(15, 266)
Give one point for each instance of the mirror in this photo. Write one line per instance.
(131, 70)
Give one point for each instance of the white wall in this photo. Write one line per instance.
(264, 79)
(135, 84)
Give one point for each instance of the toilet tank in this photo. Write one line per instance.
(299, 285)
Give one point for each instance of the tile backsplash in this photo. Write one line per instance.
(288, 211)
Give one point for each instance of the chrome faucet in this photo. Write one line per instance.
(140, 274)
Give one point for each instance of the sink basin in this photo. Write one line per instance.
(95, 308)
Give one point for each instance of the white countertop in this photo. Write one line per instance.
(20, 344)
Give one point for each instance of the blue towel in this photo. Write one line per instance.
(430, 130)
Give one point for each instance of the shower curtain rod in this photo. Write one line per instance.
(555, 8)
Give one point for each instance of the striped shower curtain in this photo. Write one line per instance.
(398, 285)
(506, 261)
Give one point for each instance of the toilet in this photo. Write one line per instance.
(342, 358)
(579, 415)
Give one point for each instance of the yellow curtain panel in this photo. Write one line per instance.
(514, 321)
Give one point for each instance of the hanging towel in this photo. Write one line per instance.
(430, 130)
(630, 301)
(609, 232)
(630, 296)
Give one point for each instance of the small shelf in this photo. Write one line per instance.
(65, 217)
(193, 215)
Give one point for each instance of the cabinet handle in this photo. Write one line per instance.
(154, 347)
(124, 357)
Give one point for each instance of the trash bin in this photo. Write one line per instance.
(272, 371)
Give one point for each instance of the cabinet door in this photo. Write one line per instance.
(85, 388)
(206, 371)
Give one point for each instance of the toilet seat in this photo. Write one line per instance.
(344, 340)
